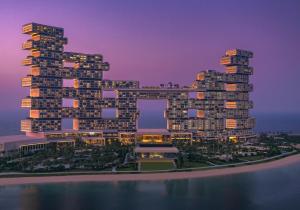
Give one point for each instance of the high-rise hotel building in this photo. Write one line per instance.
(220, 100)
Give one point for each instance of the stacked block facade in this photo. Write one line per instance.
(220, 100)
(237, 104)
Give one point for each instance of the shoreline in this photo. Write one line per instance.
(277, 163)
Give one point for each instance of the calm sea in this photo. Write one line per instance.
(274, 189)
(10, 121)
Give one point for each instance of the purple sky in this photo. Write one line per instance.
(160, 41)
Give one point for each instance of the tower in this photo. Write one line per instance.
(238, 122)
(45, 61)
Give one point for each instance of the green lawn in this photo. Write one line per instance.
(154, 166)
(195, 164)
(252, 158)
(219, 162)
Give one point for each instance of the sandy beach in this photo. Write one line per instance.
(152, 176)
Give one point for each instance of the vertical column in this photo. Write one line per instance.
(177, 111)
(237, 87)
(210, 104)
(44, 80)
(88, 89)
(127, 110)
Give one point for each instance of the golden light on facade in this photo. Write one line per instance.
(231, 123)
(233, 139)
(231, 87)
(221, 102)
(231, 105)
(34, 92)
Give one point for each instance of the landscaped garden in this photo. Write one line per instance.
(155, 166)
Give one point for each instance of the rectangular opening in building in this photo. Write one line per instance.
(68, 82)
(192, 94)
(68, 64)
(109, 113)
(109, 94)
(67, 124)
(192, 113)
(151, 113)
(67, 102)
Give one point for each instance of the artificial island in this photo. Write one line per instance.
(208, 121)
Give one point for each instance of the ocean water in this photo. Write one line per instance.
(276, 122)
(276, 189)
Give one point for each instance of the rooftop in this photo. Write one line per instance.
(19, 138)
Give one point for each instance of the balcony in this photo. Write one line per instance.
(231, 87)
(36, 54)
(231, 105)
(26, 81)
(27, 29)
(27, 61)
(234, 60)
(27, 45)
(35, 28)
(26, 103)
(239, 87)
(239, 70)
(231, 123)
(34, 92)
(35, 71)
(34, 114)
(26, 125)
(239, 52)
(239, 105)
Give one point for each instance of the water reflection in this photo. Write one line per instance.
(261, 190)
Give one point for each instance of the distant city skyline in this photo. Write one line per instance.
(159, 41)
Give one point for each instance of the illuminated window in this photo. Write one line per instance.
(34, 114)
(201, 76)
(233, 139)
(231, 123)
(231, 105)
(34, 92)
(231, 87)
(200, 114)
(200, 95)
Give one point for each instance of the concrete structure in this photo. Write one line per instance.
(156, 154)
(214, 107)
(220, 101)
(25, 144)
